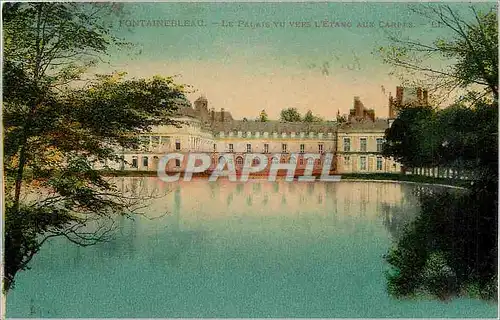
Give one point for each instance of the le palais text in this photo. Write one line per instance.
(325, 23)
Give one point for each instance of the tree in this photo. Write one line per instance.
(341, 119)
(263, 116)
(56, 130)
(409, 141)
(451, 247)
(471, 48)
(309, 117)
(290, 115)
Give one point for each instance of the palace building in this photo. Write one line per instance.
(356, 143)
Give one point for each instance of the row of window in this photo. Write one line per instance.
(157, 140)
(362, 163)
(145, 161)
(239, 161)
(248, 134)
(284, 148)
(362, 144)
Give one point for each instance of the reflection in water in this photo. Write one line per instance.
(310, 188)
(239, 188)
(276, 187)
(234, 250)
(396, 216)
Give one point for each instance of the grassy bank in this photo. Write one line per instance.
(405, 177)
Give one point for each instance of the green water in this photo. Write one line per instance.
(258, 249)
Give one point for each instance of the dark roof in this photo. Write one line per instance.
(273, 126)
(364, 126)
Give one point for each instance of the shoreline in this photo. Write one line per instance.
(355, 177)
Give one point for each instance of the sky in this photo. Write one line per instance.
(245, 57)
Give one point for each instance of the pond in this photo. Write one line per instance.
(227, 249)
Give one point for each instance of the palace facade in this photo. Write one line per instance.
(356, 143)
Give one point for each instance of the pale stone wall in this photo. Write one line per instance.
(232, 136)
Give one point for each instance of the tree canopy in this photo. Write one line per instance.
(451, 247)
(310, 117)
(290, 115)
(470, 50)
(56, 129)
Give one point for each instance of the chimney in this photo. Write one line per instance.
(419, 95)
(391, 106)
(222, 114)
(426, 97)
(212, 114)
(358, 107)
(371, 114)
(399, 95)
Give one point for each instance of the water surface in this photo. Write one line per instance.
(226, 249)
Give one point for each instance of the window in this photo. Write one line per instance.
(283, 160)
(301, 161)
(302, 147)
(231, 148)
(362, 163)
(347, 162)
(239, 161)
(177, 145)
(362, 144)
(320, 148)
(310, 161)
(275, 160)
(249, 148)
(144, 161)
(266, 148)
(318, 161)
(215, 147)
(255, 162)
(379, 163)
(283, 147)
(177, 162)
(380, 142)
(347, 144)
(134, 162)
(155, 140)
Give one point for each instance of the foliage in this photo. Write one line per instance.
(309, 117)
(450, 247)
(407, 140)
(56, 131)
(290, 115)
(263, 116)
(462, 136)
(471, 49)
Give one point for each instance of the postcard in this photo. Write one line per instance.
(250, 160)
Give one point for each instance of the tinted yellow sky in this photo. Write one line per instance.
(245, 57)
(244, 92)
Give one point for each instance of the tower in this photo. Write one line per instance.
(201, 107)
